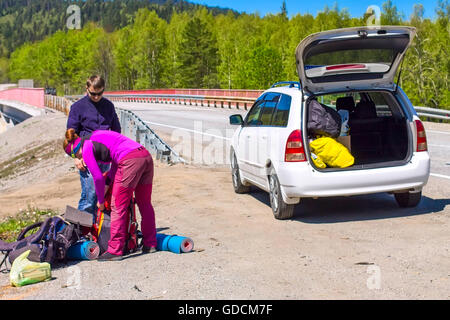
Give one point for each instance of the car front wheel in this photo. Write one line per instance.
(238, 186)
(280, 209)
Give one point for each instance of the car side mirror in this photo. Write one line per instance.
(236, 119)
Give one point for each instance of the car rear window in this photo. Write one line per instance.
(281, 115)
(270, 110)
(382, 57)
(270, 102)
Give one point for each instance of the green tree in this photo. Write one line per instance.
(390, 15)
(171, 59)
(4, 66)
(264, 67)
(198, 56)
(148, 47)
(247, 35)
(125, 73)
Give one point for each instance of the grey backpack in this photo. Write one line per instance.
(323, 120)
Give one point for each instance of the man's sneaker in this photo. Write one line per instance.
(146, 249)
(109, 257)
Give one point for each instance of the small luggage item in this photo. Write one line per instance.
(173, 243)
(323, 120)
(24, 271)
(49, 244)
(84, 250)
(101, 230)
(332, 153)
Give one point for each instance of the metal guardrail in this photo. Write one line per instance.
(208, 101)
(432, 113)
(132, 127)
(58, 103)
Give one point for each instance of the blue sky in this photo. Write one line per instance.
(355, 8)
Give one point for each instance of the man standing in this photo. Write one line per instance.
(92, 112)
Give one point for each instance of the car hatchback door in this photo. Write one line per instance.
(352, 58)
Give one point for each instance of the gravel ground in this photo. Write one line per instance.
(361, 247)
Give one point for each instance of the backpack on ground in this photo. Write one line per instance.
(49, 244)
(101, 229)
(323, 120)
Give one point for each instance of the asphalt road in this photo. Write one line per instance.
(201, 135)
(208, 125)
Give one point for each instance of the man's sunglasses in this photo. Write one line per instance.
(96, 93)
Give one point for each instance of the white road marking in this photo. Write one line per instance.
(439, 145)
(440, 175)
(189, 130)
(434, 131)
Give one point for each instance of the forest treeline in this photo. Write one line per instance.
(176, 44)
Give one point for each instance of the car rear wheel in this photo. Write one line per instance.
(408, 199)
(281, 210)
(238, 186)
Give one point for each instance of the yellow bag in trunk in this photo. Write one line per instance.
(332, 153)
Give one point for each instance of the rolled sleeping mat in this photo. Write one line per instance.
(86, 250)
(161, 242)
(174, 243)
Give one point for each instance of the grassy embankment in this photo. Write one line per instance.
(11, 226)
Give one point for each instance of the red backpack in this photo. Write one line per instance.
(101, 229)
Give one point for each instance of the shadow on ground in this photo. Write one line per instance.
(354, 208)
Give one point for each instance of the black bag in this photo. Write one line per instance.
(323, 120)
(49, 244)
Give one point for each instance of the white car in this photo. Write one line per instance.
(352, 69)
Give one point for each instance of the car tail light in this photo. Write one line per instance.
(421, 137)
(294, 148)
(346, 66)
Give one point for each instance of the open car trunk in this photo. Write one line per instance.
(379, 133)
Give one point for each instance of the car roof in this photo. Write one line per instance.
(292, 91)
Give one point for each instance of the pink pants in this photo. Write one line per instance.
(134, 174)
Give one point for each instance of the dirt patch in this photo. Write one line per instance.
(31, 154)
(53, 195)
(29, 159)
